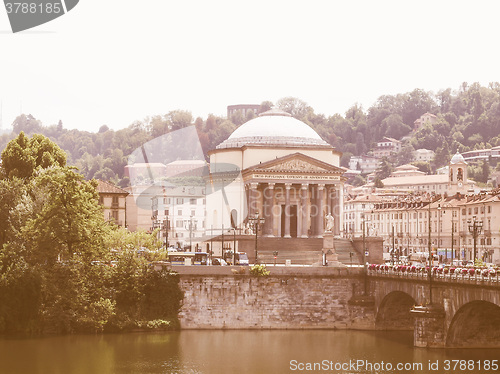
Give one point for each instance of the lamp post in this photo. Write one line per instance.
(189, 226)
(256, 221)
(430, 254)
(365, 268)
(234, 245)
(166, 224)
(438, 228)
(475, 228)
(452, 238)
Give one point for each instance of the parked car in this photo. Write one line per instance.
(241, 258)
(218, 262)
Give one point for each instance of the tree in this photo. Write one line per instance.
(378, 183)
(27, 124)
(405, 156)
(12, 193)
(422, 166)
(296, 107)
(265, 106)
(178, 119)
(23, 155)
(67, 219)
(103, 128)
(384, 169)
(237, 118)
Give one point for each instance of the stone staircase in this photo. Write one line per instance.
(303, 251)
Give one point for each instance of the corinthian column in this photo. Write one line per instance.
(304, 208)
(268, 210)
(252, 207)
(321, 204)
(287, 210)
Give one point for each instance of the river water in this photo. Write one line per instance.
(241, 352)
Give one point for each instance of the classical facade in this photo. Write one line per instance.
(278, 169)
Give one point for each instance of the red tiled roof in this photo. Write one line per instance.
(106, 187)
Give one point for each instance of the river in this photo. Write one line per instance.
(236, 351)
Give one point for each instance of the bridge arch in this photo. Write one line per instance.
(475, 324)
(394, 312)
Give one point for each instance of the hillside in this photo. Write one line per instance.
(468, 118)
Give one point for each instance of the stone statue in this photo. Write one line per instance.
(329, 222)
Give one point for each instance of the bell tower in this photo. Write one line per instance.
(457, 180)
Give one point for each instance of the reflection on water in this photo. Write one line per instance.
(242, 352)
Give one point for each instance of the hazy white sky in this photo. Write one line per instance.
(116, 61)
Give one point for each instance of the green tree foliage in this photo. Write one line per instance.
(423, 166)
(296, 107)
(24, 155)
(67, 217)
(384, 170)
(57, 253)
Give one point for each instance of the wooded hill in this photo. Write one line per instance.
(468, 118)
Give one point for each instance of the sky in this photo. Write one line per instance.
(114, 62)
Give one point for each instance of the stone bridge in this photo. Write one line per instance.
(464, 312)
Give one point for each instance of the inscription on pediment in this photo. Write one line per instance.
(296, 165)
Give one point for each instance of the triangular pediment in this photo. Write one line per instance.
(296, 163)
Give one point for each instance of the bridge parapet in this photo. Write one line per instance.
(480, 278)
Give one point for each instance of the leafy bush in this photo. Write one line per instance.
(259, 271)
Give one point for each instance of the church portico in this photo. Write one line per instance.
(291, 209)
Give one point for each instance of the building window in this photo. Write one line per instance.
(179, 224)
(475, 210)
(179, 212)
(193, 201)
(166, 200)
(179, 200)
(166, 212)
(193, 212)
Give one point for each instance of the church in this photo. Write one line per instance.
(274, 172)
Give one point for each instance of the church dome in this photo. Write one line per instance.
(274, 128)
(457, 159)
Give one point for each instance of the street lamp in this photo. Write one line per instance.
(475, 228)
(189, 226)
(166, 226)
(430, 254)
(364, 254)
(439, 228)
(256, 221)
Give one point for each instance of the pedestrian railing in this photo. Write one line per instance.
(467, 275)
